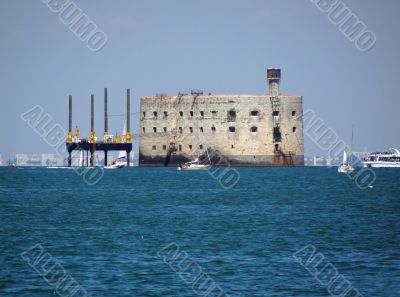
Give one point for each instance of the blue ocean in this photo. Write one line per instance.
(163, 232)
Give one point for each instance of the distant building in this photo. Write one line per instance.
(21, 159)
(244, 129)
(52, 160)
(38, 160)
(321, 161)
(1, 160)
(35, 160)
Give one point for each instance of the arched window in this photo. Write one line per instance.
(254, 129)
(232, 129)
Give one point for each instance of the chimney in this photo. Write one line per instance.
(274, 77)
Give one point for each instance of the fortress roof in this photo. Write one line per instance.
(170, 96)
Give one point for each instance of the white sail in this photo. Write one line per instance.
(344, 157)
(122, 154)
(81, 159)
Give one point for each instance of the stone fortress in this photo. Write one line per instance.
(244, 129)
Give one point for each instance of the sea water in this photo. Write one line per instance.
(161, 232)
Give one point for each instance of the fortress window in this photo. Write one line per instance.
(165, 129)
(181, 113)
(293, 113)
(232, 129)
(253, 129)
(214, 112)
(231, 115)
(201, 146)
(154, 147)
(213, 129)
(191, 113)
(254, 113)
(191, 129)
(144, 130)
(201, 129)
(164, 147)
(190, 146)
(202, 113)
(277, 134)
(154, 129)
(294, 129)
(180, 129)
(155, 114)
(144, 114)
(165, 114)
(275, 113)
(180, 148)
(232, 146)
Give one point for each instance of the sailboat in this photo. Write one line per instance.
(119, 163)
(346, 166)
(196, 164)
(122, 157)
(81, 159)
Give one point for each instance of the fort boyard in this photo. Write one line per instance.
(242, 129)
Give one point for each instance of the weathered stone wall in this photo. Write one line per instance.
(193, 134)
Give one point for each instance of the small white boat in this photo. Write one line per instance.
(196, 165)
(119, 163)
(346, 166)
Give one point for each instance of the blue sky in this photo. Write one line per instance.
(225, 46)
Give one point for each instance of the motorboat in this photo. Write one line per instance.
(389, 158)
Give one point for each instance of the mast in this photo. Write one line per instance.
(351, 144)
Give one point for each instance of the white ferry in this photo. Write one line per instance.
(389, 158)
